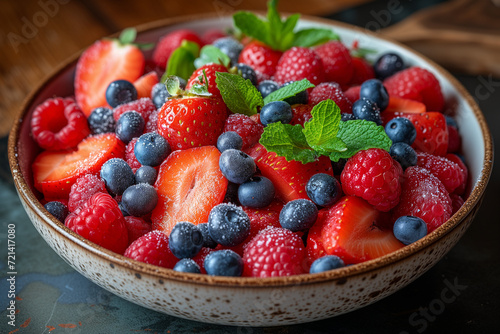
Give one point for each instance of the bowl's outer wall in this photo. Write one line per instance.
(245, 302)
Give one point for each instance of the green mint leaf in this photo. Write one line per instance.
(321, 130)
(173, 85)
(287, 35)
(288, 91)
(181, 61)
(127, 36)
(251, 25)
(360, 135)
(211, 54)
(313, 36)
(239, 94)
(287, 141)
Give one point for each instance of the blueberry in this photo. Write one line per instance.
(229, 46)
(185, 240)
(388, 64)
(344, 117)
(298, 215)
(129, 125)
(123, 210)
(58, 210)
(402, 130)
(151, 149)
(323, 189)
(367, 110)
(117, 175)
(231, 193)
(247, 73)
(266, 87)
(140, 199)
(325, 263)
(450, 121)
(338, 166)
(120, 92)
(277, 111)
(404, 154)
(228, 224)
(229, 140)
(187, 266)
(375, 91)
(101, 120)
(145, 174)
(299, 98)
(236, 166)
(159, 95)
(408, 229)
(257, 192)
(207, 239)
(223, 263)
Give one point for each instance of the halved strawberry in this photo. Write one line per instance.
(289, 177)
(105, 61)
(54, 172)
(351, 229)
(145, 84)
(189, 185)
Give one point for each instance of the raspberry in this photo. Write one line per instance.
(456, 202)
(374, 176)
(152, 248)
(243, 125)
(273, 252)
(416, 83)
(465, 172)
(58, 124)
(100, 220)
(200, 258)
(299, 63)
(130, 155)
(448, 172)
(362, 71)
(454, 140)
(332, 91)
(301, 113)
(152, 123)
(337, 62)
(143, 106)
(352, 94)
(136, 228)
(83, 188)
(424, 196)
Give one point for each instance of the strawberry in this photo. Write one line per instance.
(209, 36)
(332, 91)
(249, 130)
(301, 113)
(152, 248)
(362, 71)
(374, 176)
(337, 62)
(143, 106)
(103, 62)
(189, 185)
(261, 58)
(432, 132)
(54, 172)
(145, 84)
(274, 252)
(192, 121)
(424, 196)
(171, 41)
(100, 220)
(352, 230)
(465, 172)
(289, 177)
(58, 124)
(198, 77)
(398, 107)
(416, 83)
(299, 63)
(447, 171)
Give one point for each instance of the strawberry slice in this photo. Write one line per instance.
(55, 172)
(103, 62)
(398, 107)
(189, 185)
(353, 230)
(145, 84)
(289, 177)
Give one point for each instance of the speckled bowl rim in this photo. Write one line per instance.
(472, 201)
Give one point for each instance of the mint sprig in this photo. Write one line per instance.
(239, 94)
(277, 33)
(287, 91)
(211, 54)
(324, 134)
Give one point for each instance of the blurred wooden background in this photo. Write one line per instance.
(37, 35)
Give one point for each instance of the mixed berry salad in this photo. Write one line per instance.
(265, 151)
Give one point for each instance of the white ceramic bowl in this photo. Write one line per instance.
(253, 301)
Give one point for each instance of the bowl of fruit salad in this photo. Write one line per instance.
(290, 172)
